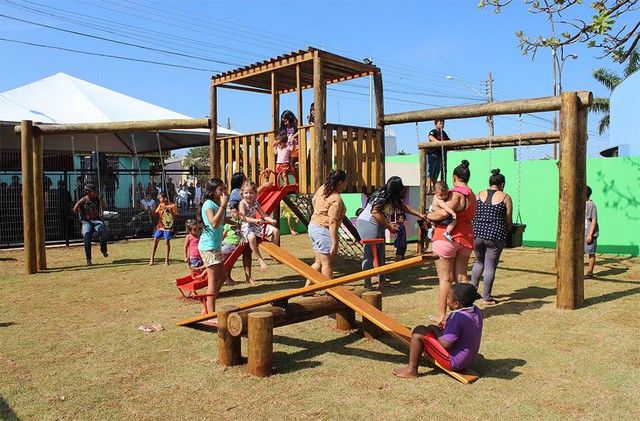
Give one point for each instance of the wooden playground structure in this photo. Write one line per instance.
(357, 150)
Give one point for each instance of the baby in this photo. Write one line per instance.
(441, 196)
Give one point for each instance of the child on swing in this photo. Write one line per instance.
(254, 219)
(457, 347)
(441, 196)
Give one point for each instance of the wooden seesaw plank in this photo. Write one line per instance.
(313, 288)
(380, 319)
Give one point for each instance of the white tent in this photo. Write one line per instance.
(63, 99)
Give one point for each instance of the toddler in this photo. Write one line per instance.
(191, 253)
(442, 194)
(400, 242)
(231, 240)
(283, 152)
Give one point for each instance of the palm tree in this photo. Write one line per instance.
(611, 80)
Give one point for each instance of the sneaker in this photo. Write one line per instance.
(448, 237)
(430, 233)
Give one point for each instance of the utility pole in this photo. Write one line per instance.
(490, 99)
(229, 123)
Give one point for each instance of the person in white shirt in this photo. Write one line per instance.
(148, 203)
(198, 194)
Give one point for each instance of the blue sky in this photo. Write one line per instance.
(416, 44)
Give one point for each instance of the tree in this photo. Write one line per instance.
(611, 80)
(198, 156)
(604, 31)
(402, 152)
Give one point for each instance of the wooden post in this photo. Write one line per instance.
(345, 319)
(319, 93)
(423, 195)
(301, 121)
(228, 345)
(215, 170)
(570, 244)
(371, 331)
(275, 104)
(260, 344)
(39, 202)
(380, 147)
(28, 197)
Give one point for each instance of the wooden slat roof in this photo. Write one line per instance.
(257, 77)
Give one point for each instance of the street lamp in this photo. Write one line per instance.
(369, 61)
(573, 56)
(558, 63)
(488, 98)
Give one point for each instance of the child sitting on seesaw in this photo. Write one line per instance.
(442, 194)
(457, 347)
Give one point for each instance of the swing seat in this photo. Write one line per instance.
(514, 237)
(188, 285)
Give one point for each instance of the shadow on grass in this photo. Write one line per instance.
(6, 412)
(7, 324)
(520, 301)
(288, 362)
(98, 264)
(499, 368)
(610, 297)
(8, 259)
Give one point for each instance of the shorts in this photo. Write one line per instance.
(590, 248)
(211, 257)
(168, 235)
(194, 261)
(446, 221)
(320, 238)
(227, 249)
(283, 167)
(436, 350)
(448, 250)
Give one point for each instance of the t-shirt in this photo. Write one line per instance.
(326, 209)
(211, 238)
(168, 214)
(89, 208)
(151, 204)
(235, 197)
(283, 154)
(232, 231)
(590, 213)
(376, 200)
(183, 195)
(440, 136)
(193, 246)
(464, 331)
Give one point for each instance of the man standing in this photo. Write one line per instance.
(434, 156)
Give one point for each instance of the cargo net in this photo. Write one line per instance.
(348, 246)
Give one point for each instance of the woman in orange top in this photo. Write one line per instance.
(454, 256)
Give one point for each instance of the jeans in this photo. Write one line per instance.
(88, 227)
(370, 230)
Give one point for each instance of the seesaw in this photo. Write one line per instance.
(319, 287)
(366, 310)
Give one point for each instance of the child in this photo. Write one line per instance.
(440, 198)
(210, 245)
(400, 242)
(167, 212)
(191, 253)
(283, 152)
(591, 232)
(231, 240)
(252, 225)
(456, 347)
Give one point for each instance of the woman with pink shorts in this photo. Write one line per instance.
(454, 256)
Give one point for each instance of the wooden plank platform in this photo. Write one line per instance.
(380, 319)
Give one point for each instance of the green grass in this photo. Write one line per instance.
(70, 347)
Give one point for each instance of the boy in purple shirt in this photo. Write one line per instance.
(455, 348)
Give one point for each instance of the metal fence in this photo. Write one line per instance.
(122, 191)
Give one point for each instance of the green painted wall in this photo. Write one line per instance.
(616, 193)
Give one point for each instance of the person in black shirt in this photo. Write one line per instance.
(90, 208)
(434, 156)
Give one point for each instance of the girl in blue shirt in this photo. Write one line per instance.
(214, 207)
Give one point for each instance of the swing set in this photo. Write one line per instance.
(572, 137)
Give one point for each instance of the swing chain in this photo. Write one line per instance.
(444, 168)
(519, 160)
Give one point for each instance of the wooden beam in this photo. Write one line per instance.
(520, 106)
(319, 93)
(570, 237)
(39, 202)
(215, 168)
(537, 138)
(246, 88)
(118, 126)
(28, 198)
(379, 142)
